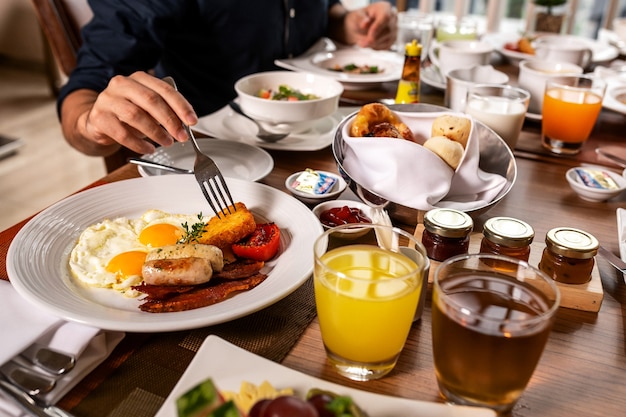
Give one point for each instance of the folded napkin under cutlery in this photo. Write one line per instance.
(409, 174)
(621, 233)
(23, 324)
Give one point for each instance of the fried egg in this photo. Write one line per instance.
(110, 254)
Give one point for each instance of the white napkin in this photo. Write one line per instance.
(22, 324)
(621, 233)
(409, 174)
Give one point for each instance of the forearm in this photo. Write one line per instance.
(336, 24)
(74, 113)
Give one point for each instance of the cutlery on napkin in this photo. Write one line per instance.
(22, 325)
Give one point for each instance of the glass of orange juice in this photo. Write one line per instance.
(571, 105)
(367, 292)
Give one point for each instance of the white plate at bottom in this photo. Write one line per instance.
(229, 365)
(228, 125)
(235, 159)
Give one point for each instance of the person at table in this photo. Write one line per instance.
(112, 101)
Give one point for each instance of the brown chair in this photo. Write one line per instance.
(61, 21)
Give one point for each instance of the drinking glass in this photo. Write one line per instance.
(501, 107)
(571, 105)
(367, 292)
(414, 25)
(453, 28)
(491, 317)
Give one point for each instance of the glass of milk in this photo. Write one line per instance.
(500, 107)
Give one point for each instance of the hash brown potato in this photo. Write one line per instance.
(230, 228)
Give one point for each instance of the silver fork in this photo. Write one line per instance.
(208, 174)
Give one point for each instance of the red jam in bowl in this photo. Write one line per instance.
(337, 216)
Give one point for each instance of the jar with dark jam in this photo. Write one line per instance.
(446, 233)
(507, 236)
(569, 255)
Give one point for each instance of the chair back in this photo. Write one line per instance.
(61, 21)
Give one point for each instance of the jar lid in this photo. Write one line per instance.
(507, 231)
(448, 222)
(572, 243)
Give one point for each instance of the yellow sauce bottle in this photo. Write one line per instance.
(409, 84)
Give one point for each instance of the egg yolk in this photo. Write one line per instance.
(127, 264)
(160, 234)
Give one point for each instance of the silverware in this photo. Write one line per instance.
(157, 165)
(262, 133)
(29, 403)
(618, 160)
(612, 259)
(208, 174)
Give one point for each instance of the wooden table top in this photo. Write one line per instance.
(583, 368)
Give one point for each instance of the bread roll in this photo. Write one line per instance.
(456, 128)
(448, 150)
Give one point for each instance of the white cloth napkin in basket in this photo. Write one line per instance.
(22, 324)
(409, 174)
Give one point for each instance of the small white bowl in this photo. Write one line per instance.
(338, 188)
(595, 194)
(352, 233)
(294, 116)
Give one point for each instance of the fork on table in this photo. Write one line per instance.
(208, 174)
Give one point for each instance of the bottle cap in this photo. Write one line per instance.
(572, 243)
(448, 222)
(508, 231)
(413, 48)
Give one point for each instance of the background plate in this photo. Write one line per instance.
(37, 260)
(319, 63)
(235, 159)
(229, 365)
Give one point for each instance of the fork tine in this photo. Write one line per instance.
(207, 174)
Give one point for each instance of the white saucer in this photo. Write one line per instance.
(228, 125)
(533, 116)
(235, 159)
(431, 77)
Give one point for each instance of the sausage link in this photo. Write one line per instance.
(183, 271)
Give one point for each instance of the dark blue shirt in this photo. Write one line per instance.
(206, 45)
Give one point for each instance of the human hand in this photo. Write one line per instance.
(136, 112)
(373, 26)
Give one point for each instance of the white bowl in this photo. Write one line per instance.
(352, 233)
(308, 198)
(282, 115)
(595, 194)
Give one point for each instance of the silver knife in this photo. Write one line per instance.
(157, 165)
(28, 403)
(612, 259)
(23, 400)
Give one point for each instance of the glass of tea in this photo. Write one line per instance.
(367, 293)
(571, 105)
(491, 317)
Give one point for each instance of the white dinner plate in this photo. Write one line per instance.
(390, 64)
(37, 260)
(601, 51)
(615, 87)
(228, 125)
(235, 159)
(432, 77)
(228, 366)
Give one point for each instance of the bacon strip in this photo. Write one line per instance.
(201, 296)
(239, 269)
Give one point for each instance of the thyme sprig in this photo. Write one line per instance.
(194, 233)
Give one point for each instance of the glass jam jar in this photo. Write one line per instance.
(569, 255)
(446, 233)
(507, 236)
